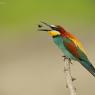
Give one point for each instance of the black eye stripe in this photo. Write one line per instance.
(55, 28)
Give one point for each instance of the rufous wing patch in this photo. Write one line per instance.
(72, 48)
(76, 41)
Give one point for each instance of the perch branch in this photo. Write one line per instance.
(68, 76)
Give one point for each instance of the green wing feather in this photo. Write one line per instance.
(79, 55)
(73, 49)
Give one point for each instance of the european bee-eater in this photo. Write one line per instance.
(69, 45)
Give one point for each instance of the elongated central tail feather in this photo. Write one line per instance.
(89, 67)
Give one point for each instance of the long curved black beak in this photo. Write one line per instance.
(46, 25)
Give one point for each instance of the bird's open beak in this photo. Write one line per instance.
(50, 26)
(46, 24)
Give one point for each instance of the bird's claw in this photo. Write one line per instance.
(64, 57)
(67, 58)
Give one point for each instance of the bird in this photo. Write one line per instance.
(69, 45)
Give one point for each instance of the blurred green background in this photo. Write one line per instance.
(18, 11)
(26, 14)
(29, 59)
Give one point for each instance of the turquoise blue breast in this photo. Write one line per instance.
(59, 42)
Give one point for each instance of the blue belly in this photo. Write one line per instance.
(59, 42)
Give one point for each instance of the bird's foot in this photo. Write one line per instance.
(68, 59)
(64, 57)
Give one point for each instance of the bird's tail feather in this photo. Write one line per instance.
(89, 67)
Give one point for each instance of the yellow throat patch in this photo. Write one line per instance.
(53, 33)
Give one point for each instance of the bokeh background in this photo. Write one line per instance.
(30, 63)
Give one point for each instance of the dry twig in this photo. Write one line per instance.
(68, 76)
